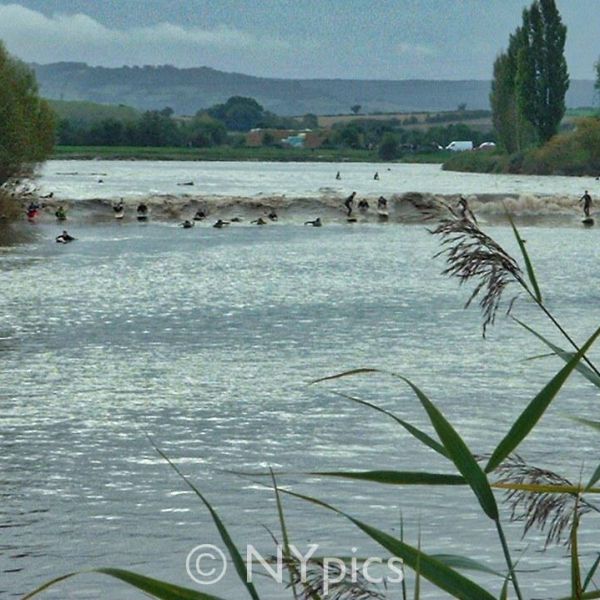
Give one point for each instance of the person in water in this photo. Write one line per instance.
(259, 221)
(60, 213)
(315, 223)
(220, 223)
(587, 203)
(118, 207)
(338, 176)
(376, 176)
(142, 209)
(187, 224)
(200, 215)
(381, 203)
(349, 203)
(64, 237)
(363, 205)
(465, 212)
(272, 215)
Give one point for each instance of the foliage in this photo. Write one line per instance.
(389, 146)
(530, 79)
(355, 108)
(84, 113)
(597, 81)
(26, 121)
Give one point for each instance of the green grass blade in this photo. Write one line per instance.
(536, 408)
(504, 591)
(591, 572)
(593, 480)
(588, 422)
(396, 477)
(286, 540)
(459, 454)
(236, 558)
(345, 374)
(153, 587)
(441, 575)
(528, 265)
(464, 563)
(416, 432)
(576, 588)
(564, 354)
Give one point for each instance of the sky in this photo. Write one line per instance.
(348, 39)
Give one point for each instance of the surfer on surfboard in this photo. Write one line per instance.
(349, 202)
(587, 203)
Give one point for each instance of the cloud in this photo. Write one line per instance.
(34, 37)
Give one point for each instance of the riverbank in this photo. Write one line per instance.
(229, 153)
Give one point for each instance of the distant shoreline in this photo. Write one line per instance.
(227, 153)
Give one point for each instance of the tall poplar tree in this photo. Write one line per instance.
(532, 79)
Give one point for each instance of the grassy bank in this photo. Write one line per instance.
(228, 153)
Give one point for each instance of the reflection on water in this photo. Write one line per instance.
(207, 341)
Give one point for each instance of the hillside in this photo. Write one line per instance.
(188, 90)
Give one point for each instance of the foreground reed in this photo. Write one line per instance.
(537, 497)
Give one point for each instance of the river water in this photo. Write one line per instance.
(206, 340)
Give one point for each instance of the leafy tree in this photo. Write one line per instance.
(530, 79)
(26, 121)
(597, 83)
(355, 108)
(239, 113)
(389, 147)
(204, 131)
(156, 129)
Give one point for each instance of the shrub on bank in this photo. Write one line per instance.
(576, 152)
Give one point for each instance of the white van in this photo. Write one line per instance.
(459, 146)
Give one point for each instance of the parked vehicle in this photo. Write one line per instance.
(460, 146)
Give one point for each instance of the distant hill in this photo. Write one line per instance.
(87, 113)
(188, 90)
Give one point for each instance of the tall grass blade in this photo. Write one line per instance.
(345, 374)
(504, 590)
(594, 479)
(418, 571)
(396, 477)
(442, 576)
(236, 558)
(291, 565)
(591, 573)
(464, 563)
(536, 408)
(576, 587)
(153, 587)
(416, 432)
(459, 454)
(588, 373)
(528, 264)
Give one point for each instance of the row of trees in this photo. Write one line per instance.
(530, 80)
(160, 128)
(26, 121)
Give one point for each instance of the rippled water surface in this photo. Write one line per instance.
(206, 339)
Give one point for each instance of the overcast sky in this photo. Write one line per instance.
(367, 39)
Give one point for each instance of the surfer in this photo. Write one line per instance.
(349, 202)
(142, 209)
(272, 215)
(338, 176)
(60, 213)
(381, 203)
(220, 223)
(64, 238)
(187, 224)
(200, 215)
(259, 221)
(465, 212)
(315, 223)
(587, 203)
(118, 207)
(363, 206)
(376, 176)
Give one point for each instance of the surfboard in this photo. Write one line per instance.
(120, 214)
(351, 220)
(383, 215)
(588, 221)
(142, 217)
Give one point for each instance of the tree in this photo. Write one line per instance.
(355, 108)
(238, 113)
(389, 147)
(530, 79)
(26, 121)
(597, 83)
